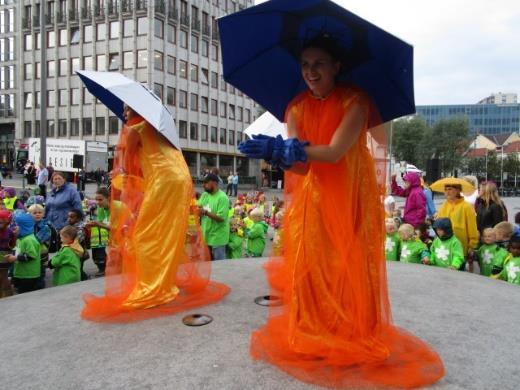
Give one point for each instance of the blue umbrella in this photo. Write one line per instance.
(261, 47)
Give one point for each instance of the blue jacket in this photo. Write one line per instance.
(59, 203)
(430, 206)
(42, 231)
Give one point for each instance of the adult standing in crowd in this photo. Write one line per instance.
(62, 198)
(489, 207)
(462, 216)
(229, 188)
(235, 184)
(43, 178)
(471, 196)
(50, 170)
(31, 173)
(214, 210)
(415, 206)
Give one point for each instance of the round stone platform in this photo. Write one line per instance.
(472, 321)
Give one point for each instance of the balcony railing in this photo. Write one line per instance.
(126, 6)
(99, 13)
(49, 20)
(86, 14)
(36, 21)
(160, 7)
(215, 35)
(73, 15)
(26, 23)
(185, 20)
(195, 24)
(173, 14)
(140, 6)
(206, 30)
(60, 18)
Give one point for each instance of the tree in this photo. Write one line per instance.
(512, 165)
(407, 135)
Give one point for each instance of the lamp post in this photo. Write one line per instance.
(43, 86)
(502, 168)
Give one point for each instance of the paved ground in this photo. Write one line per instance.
(472, 322)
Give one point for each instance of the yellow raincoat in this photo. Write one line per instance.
(463, 220)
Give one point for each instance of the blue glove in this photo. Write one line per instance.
(275, 151)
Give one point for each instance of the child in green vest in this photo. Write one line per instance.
(236, 240)
(412, 250)
(490, 256)
(446, 250)
(66, 263)
(511, 271)
(256, 234)
(392, 241)
(99, 230)
(27, 267)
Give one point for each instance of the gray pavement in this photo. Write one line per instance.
(472, 321)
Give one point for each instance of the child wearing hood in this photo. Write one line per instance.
(490, 256)
(392, 242)
(26, 272)
(415, 206)
(446, 250)
(66, 263)
(42, 232)
(511, 271)
(412, 250)
(11, 201)
(256, 234)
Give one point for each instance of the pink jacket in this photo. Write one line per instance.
(415, 206)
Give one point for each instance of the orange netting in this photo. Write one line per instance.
(334, 327)
(157, 261)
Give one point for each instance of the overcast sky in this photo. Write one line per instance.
(464, 49)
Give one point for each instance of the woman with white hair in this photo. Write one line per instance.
(471, 197)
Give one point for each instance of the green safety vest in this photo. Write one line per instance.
(9, 203)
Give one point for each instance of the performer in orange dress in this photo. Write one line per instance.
(153, 264)
(334, 327)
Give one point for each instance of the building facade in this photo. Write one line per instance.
(171, 46)
(485, 119)
(500, 98)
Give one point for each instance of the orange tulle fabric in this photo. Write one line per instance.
(334, 328)
(157, 261)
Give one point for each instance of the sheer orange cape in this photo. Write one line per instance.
(157, 261)
(334, 327)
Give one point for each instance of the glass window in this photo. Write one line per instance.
(113, 125)
(214, 107)
(194, 43)
(194, 131)
(223, 84)
(101, 31)
(204, 104)
(158, 90)
(37, 99)
(28, 100)
(213, 134)
(87, 33)
(62, 128)
(128, 27)
(51, 69)
(142, 25)
(37, 41)
(142, 58)
(74, 36)
(27, 129)
(113, 61)
(183, 38)
(114, 30)
(171, 33)
(36, 128)
(158, 60)
(100, 125)
(183, 129)
(87, 63)
(183, 69)
(62, 97)
(204, 133)
(204, 76)
(63, 37)
(204, 48)
(239, 113)
(101, 62)
(170, 96)
(51, 100)
(74, 65)
(128, 60)
(183, 99)
(214, 80)
(158, 29)
(194, 102)
(170, 66)
(214, 52)
(74, 96)
(51, 39)
(231, 111)
(248, 116)
(87, 97)
(50, 128)
(74, 127)
(27, 71)
(223, 109)
(231, 137)
(63, 68)
(222, 139)
(194, 72)
(28, 42)
(87, 126)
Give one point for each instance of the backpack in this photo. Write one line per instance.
(54, 242)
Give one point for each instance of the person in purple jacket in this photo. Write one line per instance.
(415, 206)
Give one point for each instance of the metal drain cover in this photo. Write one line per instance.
(268, 300)
(197, 320)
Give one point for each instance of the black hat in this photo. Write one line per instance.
(211, 177)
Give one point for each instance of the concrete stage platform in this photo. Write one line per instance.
(472, 321)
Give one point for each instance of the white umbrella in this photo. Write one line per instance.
(267, 124)
(114, 90)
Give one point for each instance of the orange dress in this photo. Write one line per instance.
(334, 327)
(157, 262)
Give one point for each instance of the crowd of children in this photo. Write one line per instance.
(433, 243)
(29, 244)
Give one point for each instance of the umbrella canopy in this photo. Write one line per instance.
(261, 46)
(439, 185)
(267, 124)
(114, 90)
